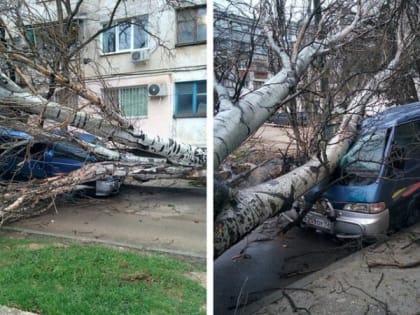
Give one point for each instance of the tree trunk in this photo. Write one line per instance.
(252, 206)
(13, 96)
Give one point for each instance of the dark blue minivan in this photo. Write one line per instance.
(376, 186)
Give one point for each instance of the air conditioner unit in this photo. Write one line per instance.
(140, 56)
(157, 90)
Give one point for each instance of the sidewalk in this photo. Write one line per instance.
(13, 311)
(380, 279)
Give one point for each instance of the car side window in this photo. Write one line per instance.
(405, 150)
(35, 150)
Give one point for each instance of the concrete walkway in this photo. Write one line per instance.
(380, 279)
(13, 311)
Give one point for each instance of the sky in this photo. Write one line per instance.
(241, 7)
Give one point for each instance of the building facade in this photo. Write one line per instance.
(240, 49)
(147, 58)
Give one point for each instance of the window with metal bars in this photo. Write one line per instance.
(132, 101)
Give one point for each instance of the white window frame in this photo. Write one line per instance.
(132, 22)
(196, 20)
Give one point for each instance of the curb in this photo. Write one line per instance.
(108, 242)
(4, 310)
(151, 188)
(302, 283)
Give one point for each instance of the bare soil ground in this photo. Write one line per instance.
(269, 141)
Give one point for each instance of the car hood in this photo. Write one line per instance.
(346, 193)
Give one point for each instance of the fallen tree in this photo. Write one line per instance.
(42, 50)
(245, 209)
(25, 199)
(14, 97)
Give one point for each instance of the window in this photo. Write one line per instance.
(132, 101)
(191, 99)
(258, 84)
(46, 38)
(191, 26)
(125, 36)
(406, 146)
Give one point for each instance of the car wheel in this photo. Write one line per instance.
(413, 211)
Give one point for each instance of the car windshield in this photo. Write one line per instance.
(366, 155)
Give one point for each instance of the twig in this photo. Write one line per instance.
(293, 305)
(238, 300)
(347, 246)
(381, 303)
(414, 241)
(397, 264)
(380, 281)
(300, 273)
(281, 288)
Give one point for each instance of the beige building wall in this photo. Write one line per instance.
(167, 64)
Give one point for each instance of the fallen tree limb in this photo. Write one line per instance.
(251, 207)
(412, 264)
(24, 199)
(12, 96)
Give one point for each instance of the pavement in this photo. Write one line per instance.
(381, 279)
(265, 261)
(167, 219)
(13, 311)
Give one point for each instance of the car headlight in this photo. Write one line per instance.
(365, 207)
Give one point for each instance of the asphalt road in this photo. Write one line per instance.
(166, 219)
(269, 262)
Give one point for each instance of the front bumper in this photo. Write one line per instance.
(349, 224)
(108, 186)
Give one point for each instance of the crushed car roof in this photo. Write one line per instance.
(393, 116)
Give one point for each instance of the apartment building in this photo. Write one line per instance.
(240, 49)
(145, 57)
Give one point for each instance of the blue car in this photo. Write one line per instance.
(23, 157)
(376, 186)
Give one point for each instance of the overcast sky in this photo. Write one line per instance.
(241, 7)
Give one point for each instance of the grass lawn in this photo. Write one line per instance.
(50, 277)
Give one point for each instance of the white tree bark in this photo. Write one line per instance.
(13, 96)
(237, 122)
(252, 206)
(27, 199)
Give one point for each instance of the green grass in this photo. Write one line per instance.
(42, 276)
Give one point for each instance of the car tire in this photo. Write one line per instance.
(413, 211)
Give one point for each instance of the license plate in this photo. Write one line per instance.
(317, 221)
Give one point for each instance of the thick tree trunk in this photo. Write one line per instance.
(253, 206)
(234, 123)
(14, 97)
